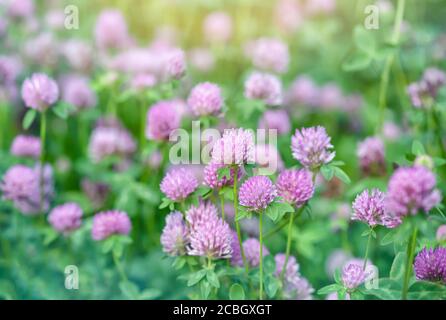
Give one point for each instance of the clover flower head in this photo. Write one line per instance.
(143, 81)
(235, 147)
(20, 8)
(353, 276)
(200, 214)
(292, 267)
(77, 91)
(162, 118)
(264, 87)
(411, 189)
(26, 146)
(298, 288)
(303, 91)
(108, 223)
(369, 207)
(257, 192)
(270, 54)
(110, 141)
(295, 186)
(430, 265)
(441, 233)
(275, 120)
(178, 184)
(371, 156)
(176, 64)
(251, 247)
(205, 99)
(217, 27)
(111, 30)
(21, 185)
(312, 147)
(66, 218)
(212, 238)
(39, 92)
(175, 235)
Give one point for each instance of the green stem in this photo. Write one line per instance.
(367, 249)
(288, 247)
(384, 82)
(82, 131)
(183, 206)
(142, 132)
(6, 249)
(237, 224)
(18, 226)
(383, 92)
(313, 177)
(119, 267)
(165, 154)
(42, 158)
(344, 239)
(401, 82)
(190, 266)
(437, 129)
(80, 146)
(3, 123)
(411, 246)
(111, 106)
(222, 202)
(261, 255)
(70, 248)
(209, 262)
